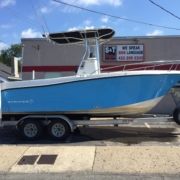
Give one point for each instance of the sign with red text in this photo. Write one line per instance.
(130, 52)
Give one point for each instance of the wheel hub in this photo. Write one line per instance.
(30, 130)
(58, 130)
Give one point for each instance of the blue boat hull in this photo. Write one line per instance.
(123, 95)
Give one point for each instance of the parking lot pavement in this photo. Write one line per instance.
(104, 136)
(145, 151)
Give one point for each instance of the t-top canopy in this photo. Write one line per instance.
(79, 36)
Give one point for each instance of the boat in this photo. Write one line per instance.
(91, 92)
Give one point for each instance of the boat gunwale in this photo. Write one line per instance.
(70, 79)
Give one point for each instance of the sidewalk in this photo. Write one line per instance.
(95, 159)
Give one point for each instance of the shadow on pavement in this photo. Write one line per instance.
(90, 136)
(133, 136)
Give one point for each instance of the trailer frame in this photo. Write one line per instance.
(68, 126)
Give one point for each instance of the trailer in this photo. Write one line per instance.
(62, 104)
(59, 127)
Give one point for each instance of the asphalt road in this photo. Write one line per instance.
(104, 136)
(87, 176)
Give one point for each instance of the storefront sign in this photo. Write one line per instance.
(124, 52)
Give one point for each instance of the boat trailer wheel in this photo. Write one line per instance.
(58, 129)
(30, 129)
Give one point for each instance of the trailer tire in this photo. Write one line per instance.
(176, 115)
(59, 129)
(30, 129)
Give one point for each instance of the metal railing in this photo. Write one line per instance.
(149, 65)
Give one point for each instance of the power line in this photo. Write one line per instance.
(169, 12)
(117, 17)
(45, 23)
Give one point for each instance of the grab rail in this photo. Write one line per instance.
(149, 65)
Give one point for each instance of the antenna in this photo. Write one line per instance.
(41, 20)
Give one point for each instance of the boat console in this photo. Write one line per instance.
(90, 63)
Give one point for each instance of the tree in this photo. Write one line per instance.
(7, 55)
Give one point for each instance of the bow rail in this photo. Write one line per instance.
(150, 65)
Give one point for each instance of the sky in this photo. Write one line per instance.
(32, 18)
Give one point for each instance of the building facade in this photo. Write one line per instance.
(45, 59)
